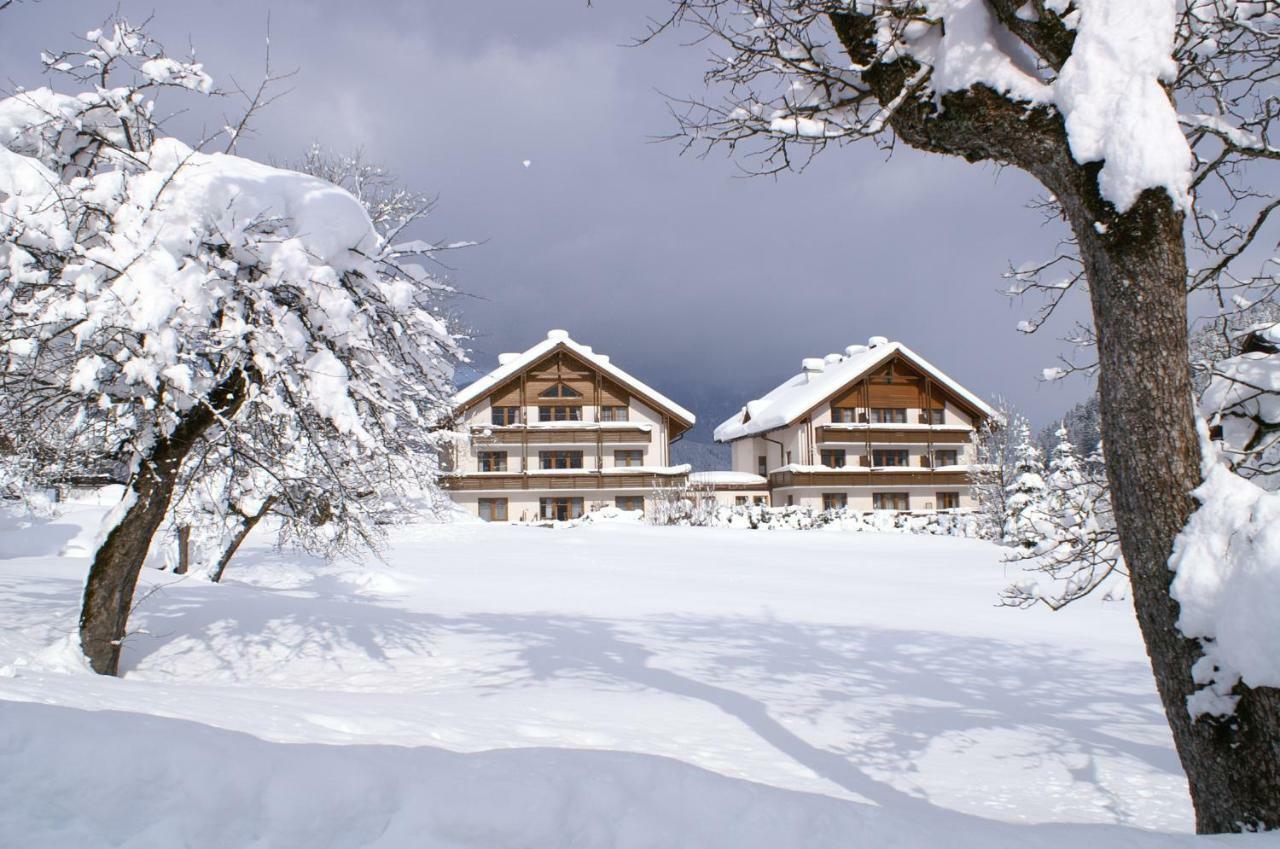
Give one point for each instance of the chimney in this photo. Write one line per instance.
(504, 359)
(812, 366)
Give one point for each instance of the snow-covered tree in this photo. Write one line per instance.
(155, 297)
(1025, 492)
(1083, 422)
(995, 454)
(1069, 548)
(1147, 122)
(258, 469)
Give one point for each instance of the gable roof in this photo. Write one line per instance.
(798, 395)
(509, 366)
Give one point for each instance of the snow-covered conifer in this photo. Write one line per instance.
(1073, 547)
(1025, 494)
(995, 453)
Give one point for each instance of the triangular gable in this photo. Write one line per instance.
(798, 397)
(615, 383)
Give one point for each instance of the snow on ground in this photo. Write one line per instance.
(610, 685)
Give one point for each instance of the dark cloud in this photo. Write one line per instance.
(707, 284)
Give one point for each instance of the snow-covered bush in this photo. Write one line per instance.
(155, 297)
(759, 517)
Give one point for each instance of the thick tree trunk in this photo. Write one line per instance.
(108, 592)
(1135, 264)
(1137, 283)
(113, 577)
(249, 523)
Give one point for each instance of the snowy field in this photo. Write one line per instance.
(602, 686)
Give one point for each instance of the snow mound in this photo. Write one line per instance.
(211, 788)
(1227, 562)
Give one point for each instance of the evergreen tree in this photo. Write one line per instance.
(1025, 494)
(1071, 545)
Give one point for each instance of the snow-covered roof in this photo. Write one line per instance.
(823, 377)
(512, 364)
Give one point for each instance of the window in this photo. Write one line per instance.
(760, 500)
(493, 509)
(890, 457)
(559, 414)
(740, 501)
(493, 461)
(889, 415)
(948, 500)
(890, 501)
(788, 458)
(560, 459)
(834, 501)
(560, 509)
(946, 457)
(844, 415)
(560, 390)
(833, 458)
(630, 457)
(762, 466)
(791, 501)
(629, 502)
(613, 414)
(504, 415)
(936, 417)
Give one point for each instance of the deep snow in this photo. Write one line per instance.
(605, 685)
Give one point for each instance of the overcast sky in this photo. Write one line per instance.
(705, 283)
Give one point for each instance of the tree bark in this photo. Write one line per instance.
(184, 551)
(1137, 276)
(1135, 264)
(249, 523)
(113, 576)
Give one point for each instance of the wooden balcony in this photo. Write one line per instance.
(568, 435)
(890, 434)
(586, 479)
(869, 477)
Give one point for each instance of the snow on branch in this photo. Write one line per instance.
(142, 279)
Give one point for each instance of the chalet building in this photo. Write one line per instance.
(559, 431)
(875, 428)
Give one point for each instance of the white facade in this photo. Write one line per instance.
(559, 431)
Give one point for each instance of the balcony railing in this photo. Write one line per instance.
(586, 434)
(868, 477)
(575, 479)
(894, 435)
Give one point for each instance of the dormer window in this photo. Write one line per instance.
(560, 390)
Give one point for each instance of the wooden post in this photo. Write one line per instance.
(184, 550)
